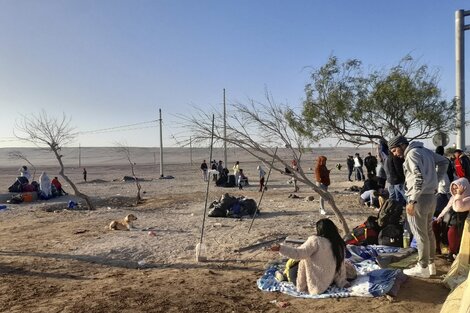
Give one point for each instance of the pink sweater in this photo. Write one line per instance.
(317, 267)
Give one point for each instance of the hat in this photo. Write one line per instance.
(396, 141)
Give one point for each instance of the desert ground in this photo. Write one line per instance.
(57, 260)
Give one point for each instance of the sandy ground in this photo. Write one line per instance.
(58, 260)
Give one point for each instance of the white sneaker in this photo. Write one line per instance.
(432, 269)
(418, 271)
(322, 212)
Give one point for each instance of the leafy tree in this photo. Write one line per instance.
(53, 132)
(257, 128)
(359, 108)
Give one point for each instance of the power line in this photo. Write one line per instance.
(115, 128)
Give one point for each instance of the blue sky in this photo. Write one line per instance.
(109, 63)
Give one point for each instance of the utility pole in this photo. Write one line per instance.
(79, 155)
(225, 133)
(460, 27)
(161, 145)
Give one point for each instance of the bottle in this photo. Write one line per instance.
(406, 239)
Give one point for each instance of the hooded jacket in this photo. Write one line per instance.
(459, 203)
(322, 174)
(423, 169)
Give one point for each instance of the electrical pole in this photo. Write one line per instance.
(460, 27)
(161, 145)
(79, 155)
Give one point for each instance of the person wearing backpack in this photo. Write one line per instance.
(322, 259)
(423, 170)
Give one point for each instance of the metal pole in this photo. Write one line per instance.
(460, 28)
(460, 79)
(225, 133)
(161, 145)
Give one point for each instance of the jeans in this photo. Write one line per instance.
(322, 201)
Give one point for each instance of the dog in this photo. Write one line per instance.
(125, 224)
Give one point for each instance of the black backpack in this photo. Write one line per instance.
(391, 235)
(390, 213)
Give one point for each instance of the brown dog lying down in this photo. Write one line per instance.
(125, 224)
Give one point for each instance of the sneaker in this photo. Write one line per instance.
(322, 212)
(417, 271)
(432, 269)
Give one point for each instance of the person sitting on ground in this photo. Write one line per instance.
(25, 173)
(321, 259)
(58, 186)
(45, 186)
(242, 179)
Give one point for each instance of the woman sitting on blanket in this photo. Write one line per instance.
(321, 259)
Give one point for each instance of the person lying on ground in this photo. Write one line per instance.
(321, 259)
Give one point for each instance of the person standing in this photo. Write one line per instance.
(350, 164)
(84, 174)
(370, 162)
(236, 171)
(261, 173)
(295, 168)
(358, 163)
(204, 170)
(462, 164)
(423, 169)
(322, 177)
(395, 178)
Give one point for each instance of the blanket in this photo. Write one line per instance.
(372, 281)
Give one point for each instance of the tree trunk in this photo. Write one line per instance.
(71, 183)
(331, 201)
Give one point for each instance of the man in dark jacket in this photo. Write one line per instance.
(395, 178)
(350, 163)
(370, 162)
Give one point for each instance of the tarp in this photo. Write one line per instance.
(372, 281)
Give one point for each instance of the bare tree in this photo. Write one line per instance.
(126, 151)
(54, 133)
(257, 128)
(18, 155)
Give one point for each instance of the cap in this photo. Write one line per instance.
(396, 141)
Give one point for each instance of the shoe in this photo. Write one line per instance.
(279, 276)
(432, 269)
(417, 271)
(322, 212)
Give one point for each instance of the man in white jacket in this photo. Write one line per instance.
(423, 170)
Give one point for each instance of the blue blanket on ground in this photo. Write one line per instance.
(371, 281)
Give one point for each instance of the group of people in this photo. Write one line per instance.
(412, 174)
(46, 187)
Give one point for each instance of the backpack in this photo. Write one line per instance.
(390, 213)
(364, 234)
(391, 235)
